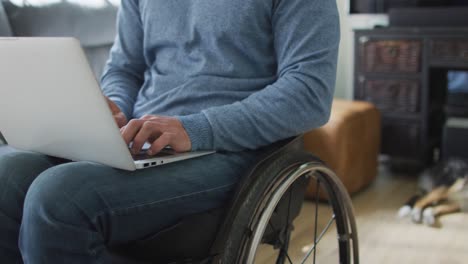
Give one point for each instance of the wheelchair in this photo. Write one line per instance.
(260, 214)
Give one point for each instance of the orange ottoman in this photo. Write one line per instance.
(349, 143)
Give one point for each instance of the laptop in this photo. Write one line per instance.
(51, 103)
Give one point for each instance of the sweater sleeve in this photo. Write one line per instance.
(124, 72)
(306, 40)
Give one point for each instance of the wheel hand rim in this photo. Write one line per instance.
(264, 215)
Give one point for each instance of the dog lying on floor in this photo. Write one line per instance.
(444, 190)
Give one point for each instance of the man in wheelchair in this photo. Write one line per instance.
(226, 75)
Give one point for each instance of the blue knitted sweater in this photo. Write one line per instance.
(239, 74)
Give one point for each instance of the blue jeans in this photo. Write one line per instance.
(54, 212)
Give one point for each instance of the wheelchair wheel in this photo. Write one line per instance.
(262, 232)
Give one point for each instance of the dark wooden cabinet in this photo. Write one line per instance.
(403, 72)
(453, 49)
(392, 95)
(390, 56)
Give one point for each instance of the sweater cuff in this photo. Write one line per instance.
(199, 130)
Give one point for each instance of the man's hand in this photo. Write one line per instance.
(119, 117)
(159, 131)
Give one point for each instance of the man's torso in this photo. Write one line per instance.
(204, 53)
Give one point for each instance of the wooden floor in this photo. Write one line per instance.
(383, 237)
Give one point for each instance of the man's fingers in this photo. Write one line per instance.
(160, 143)
(148, 117)
(148, 130)
(159, 130)
(131, 129)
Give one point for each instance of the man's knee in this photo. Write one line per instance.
(63, 193)
(60, 206)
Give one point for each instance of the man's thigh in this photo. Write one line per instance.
(18, 169)
(125, 206)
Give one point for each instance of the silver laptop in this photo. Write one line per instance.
(50, 102)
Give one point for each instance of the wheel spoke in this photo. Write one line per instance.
(287, 256)
(282, 251)
(319, 238)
